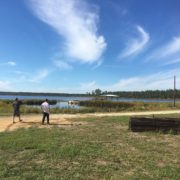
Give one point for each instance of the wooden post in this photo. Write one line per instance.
(174, 95)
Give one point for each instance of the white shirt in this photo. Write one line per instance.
(45, 107)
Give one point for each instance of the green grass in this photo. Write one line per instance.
(99, 148)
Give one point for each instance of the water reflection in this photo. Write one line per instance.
(60, 104)
(65, 104)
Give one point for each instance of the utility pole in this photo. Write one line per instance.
(174, 95)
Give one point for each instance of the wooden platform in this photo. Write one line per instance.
(139, 124)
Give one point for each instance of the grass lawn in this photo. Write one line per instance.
(98, 148)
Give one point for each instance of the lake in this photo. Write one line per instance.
(62, 101)
(58, 98)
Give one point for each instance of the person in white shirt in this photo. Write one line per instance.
(46, 111)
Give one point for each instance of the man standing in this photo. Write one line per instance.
(16, 106)
(46, 110)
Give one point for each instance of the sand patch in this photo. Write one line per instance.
(28, 121)
(64, 120)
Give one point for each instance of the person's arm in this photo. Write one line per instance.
(41, 107)
(49, 108)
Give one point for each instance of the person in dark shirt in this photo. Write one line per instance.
(16, 106)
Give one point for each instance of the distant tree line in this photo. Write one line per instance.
(149, 94)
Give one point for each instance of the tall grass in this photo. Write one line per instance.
(106, 104)
(37, 102)
(87, 107)
(111, 106)
(5, 107)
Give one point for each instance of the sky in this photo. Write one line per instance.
(76, 46)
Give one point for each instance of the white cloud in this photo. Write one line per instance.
(30, 77)
(172, 48)
(88, 86)
(63, 65)
(117, 7)
(4, 85)
(76, 22)
(167, 52)
(175, 61)
(20, 72)
(79, 88)
(98, 64)
(160, 80)
(137, 44)
(11, 63)
(39, 76)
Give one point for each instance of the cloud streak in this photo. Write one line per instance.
(160, 80)
(76, 22)
(62, 65)
(172, 48)
(169, 52)
(88, 86)
(9, 63)
(39, 76)
(174, 61)
(4, 85)
(135, 45)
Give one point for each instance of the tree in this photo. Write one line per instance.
(98, 92)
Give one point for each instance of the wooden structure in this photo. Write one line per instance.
(109, 96)
(139, 124)
(73, 102)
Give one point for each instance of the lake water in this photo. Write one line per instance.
(58, 98)
(62, 101)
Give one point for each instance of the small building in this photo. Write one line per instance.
(110, 96)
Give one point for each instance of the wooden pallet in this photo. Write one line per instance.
(139, 124)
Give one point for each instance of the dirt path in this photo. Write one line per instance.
(63, 120)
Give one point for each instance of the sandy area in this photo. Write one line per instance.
(63, 120)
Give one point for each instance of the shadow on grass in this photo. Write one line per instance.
(52, 124)
(9, 126)
(32, 123)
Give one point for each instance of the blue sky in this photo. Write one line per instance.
(76, 46)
